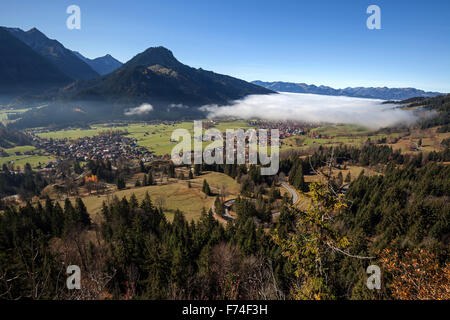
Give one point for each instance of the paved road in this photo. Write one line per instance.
(227, 204)
(294, 196)
(292, 191)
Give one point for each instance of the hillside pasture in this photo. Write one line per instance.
(17, 156)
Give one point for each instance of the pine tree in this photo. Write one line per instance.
(171, 172)
(348, 177)
(81, 213)
(218, 206)
(121, 183)
(197, 169)
(339, 179)
(69, 214)
(150, 181)
(77, 168)
(206, 190)
(310, 241)
(145, 181)
(299, 181)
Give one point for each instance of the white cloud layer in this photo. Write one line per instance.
(314, 108)
(142, 109)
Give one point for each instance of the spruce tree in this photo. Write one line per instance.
(197, 169)
(206, 190)
(348, 177)
(145, 181)
(121, 183)
(150, 179)
(299, 181)
(81, 213)
(171, 173)
(218, 206)
(77, 168)
(339, 179)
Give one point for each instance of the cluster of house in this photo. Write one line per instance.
(106, 146)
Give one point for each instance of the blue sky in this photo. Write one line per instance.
(317, 42)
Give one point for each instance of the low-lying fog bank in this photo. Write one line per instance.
(315, 108)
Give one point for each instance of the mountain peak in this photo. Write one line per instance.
(102, 65)
(37, 33)
(159, 50)
(155, 55)
(54, 51)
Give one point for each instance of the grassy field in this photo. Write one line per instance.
(176, 195)
(431, 141)
(21, 159)
(73, 133)
(340, 130)
(304, 202)
(219, 180)
(354, 173)
(190, 201)
(336, 135)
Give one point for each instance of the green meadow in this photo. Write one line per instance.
(21, 158)
(337, 135)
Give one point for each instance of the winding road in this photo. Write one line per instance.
(292, 191)
(227, 204)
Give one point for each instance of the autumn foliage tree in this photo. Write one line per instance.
(91, 182)
(310, 241)
(416, 275)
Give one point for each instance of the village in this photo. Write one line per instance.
(110, 145)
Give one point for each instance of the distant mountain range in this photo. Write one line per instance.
(102, 65)
(383, 93)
